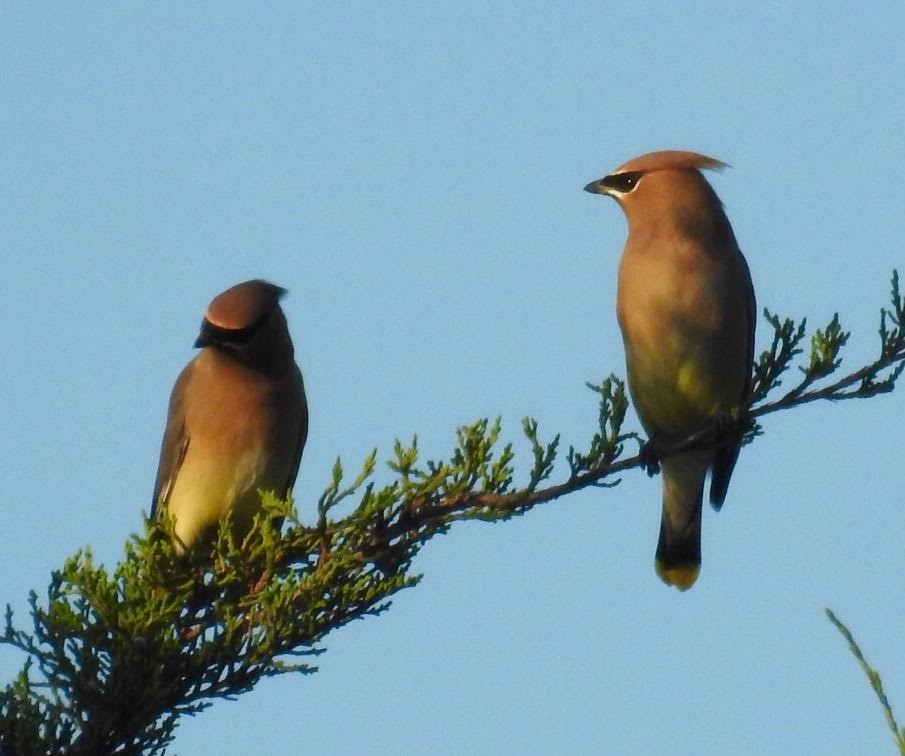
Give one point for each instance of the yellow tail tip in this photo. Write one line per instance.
(681, 576)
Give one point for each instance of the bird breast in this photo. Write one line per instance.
(680, 324)
(230, 457)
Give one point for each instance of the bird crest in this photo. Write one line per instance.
(671, 160)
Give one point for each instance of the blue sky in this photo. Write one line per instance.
(412, 173)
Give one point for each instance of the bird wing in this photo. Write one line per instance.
(301, 438)
(725, 457)
(174, 446)
(751, 312)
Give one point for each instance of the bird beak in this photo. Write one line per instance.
(596, 187)
(204, 338)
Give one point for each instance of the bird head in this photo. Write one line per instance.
(668, 181)
(247, 323)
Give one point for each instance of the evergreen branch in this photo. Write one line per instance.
(873, 678)
(877, 377)
(113, 660)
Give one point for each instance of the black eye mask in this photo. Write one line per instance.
(211, 334)
(622, 182)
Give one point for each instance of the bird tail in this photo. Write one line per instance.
(678, 560)
(723, 465)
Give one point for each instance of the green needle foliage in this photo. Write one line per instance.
(873, 678)
(114, 658)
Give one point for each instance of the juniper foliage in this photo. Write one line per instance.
(114, 658)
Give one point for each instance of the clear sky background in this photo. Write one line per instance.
(412, 173)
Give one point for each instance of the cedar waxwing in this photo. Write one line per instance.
(686, 308)
(237, 420)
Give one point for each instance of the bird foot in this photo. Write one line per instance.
(650, 458)
(726, 427)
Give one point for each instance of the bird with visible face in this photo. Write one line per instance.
(237, 421)
(686, 308)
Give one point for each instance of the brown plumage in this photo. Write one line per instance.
(238, 418)
(686, 308)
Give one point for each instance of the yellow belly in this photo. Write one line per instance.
(676, 391)
(207, 489)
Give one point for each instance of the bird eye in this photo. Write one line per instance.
(622, 182)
